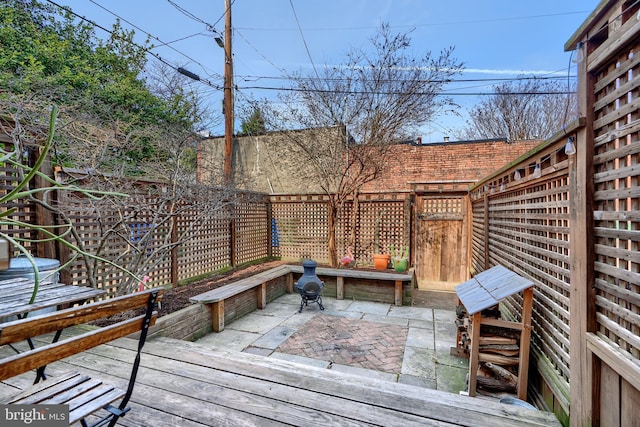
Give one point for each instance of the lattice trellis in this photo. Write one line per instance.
(252, 230)
(616, 204)
(528, 232)
(25, 210)
(302, 228)
(302, 223)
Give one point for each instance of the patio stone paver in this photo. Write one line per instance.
(386, 319)
(412, 313)
(260, 324)
(431, 383)
(230, 340)
(412, 359)
(421, 324)
(369, 307)
(273, 338)
(451, 378)
(422, 338)
(350, 342)
(419, 362)
(446, 316)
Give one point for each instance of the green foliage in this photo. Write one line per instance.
(46, 53)
(254, 124)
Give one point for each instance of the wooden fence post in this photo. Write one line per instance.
(269, 229)
(486, 231)
(174, 252)
(45, 248)
(581, 257)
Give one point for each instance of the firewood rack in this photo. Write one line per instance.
(486, 290)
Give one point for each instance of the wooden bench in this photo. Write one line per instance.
(216, 297)
(397, 279)
(83, 394)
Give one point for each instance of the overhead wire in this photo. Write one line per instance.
(303, 39)
(148, 34)
(211, 27)
(436, 24)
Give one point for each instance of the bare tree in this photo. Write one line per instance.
(380, 96)
(118, 228)
(528, 108)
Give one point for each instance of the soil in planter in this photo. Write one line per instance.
(175, 299)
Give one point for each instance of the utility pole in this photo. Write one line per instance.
(228, 97)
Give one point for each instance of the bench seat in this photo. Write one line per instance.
(85, 395)
(235, 288)
(397, 279)
(216, 298)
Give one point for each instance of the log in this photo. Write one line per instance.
(500, 360)
(489, 330)
(505, 350)
(508, 353)
(499, 340)
(495, 384)
(502, 373)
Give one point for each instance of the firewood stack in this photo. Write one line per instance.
(499, 359)
(497, 348)
(499, 351)
(463, 339)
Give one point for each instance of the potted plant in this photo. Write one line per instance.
(400, 258)
(380, 259)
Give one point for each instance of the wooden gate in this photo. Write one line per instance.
(442, 247)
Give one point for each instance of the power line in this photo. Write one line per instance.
(210, 27)
(437, 24)
(303, 39)
(443, 93)
(497, 79)
(145, 32)
(145, 49)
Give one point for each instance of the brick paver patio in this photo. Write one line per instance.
(347, 341)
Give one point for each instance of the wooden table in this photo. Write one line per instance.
(15, 296)
(15, 302)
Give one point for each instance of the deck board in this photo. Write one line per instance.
(182, 383)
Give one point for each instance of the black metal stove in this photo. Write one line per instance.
(309, 285)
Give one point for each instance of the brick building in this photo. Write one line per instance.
(446, 161)
(266, 163)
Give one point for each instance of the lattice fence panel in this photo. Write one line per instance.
(252, 230)
(616, 204)
(381, 225)
(302, 227)
(131, 244)
(478, 237)
(139, 233)
(25, 210)
(528, 232)
(204, 242)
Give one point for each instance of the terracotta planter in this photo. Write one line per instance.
(381, 261)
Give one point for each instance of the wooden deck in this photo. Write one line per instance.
(183, 384)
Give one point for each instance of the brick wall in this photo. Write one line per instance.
(268, 164)
(459, 160)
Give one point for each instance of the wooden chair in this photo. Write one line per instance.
(83, 393)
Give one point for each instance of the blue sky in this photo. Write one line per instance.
(494, 38)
